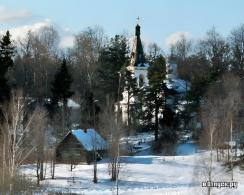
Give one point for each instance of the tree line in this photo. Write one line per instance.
(214, 67)
(93, 72)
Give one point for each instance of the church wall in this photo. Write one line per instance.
(141, 71)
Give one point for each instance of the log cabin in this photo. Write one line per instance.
(81, 146)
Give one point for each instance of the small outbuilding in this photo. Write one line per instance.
(81, 146)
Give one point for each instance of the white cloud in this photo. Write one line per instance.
(21, 31)
(66, 41)
(173, 38)
(10, 16)
(66, 37)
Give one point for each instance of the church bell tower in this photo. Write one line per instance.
(138, 65)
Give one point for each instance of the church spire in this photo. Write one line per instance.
(138, 31)
(137, 54)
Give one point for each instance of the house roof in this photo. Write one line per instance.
(90, 139)
(72, 104)
(178, 85)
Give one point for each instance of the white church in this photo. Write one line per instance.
(139, 69)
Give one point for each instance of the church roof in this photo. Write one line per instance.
(137, 54)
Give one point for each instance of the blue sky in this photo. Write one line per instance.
(161, 20)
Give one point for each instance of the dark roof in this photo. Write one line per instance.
(137, 54)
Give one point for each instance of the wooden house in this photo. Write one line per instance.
(81, 146)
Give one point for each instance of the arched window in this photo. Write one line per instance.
(141, 81)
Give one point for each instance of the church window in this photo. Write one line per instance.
(141, 80)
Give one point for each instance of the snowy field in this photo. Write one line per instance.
(141, 175)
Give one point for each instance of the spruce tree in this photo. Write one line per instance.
(6, 62)
(61, 86)
(90, 110)
(61, 91)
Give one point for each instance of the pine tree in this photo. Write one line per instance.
(6, 62)
(113, 57)
(141, 110)
(155, 94)
(130, 87)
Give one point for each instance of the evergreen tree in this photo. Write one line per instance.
(61, 91)
(61, 86)
(90, 110)
(130, 87)
(155, 95)
(113, 57)
(6, 62)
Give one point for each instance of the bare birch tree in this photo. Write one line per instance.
(38, 127)
(231, 103)
(111, 126)
(94, 147)
(15, 128)
(210, 117)
(218, 112)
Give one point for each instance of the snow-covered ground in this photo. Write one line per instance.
(142, 175)
(138, 142)
(139, 137)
